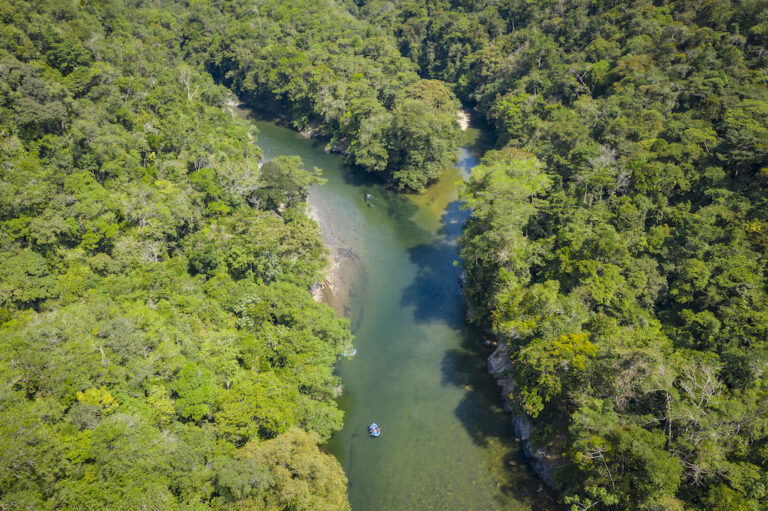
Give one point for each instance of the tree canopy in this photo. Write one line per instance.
(617, 237)
(158, 344)
(332, 73)
(159, 347)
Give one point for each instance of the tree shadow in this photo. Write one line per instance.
(480, 407)
(489, 426)
(354, 175)
(452, 221)
(435, 296)
(435, 293)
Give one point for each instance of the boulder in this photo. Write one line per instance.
(500, 363)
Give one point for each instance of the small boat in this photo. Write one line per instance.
(349, 353)
(374, 430)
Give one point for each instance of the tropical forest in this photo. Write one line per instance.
(384, 255)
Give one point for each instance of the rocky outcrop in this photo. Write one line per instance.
(339, 146)
(333, 146)
(311, 131)
(543, 461)
(500, 362)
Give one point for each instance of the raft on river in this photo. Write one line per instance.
(374, 430)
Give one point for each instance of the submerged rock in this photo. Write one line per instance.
(310, 131)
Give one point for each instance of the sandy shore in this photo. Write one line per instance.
(344, 273)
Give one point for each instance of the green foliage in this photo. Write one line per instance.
(549, 365)
(158, 343)
(195, 390)
(500, 194)
(422, 136)
(335, 74)
(287, 472)
(139, 234)
(285, 183)
(26, 280)
(617, 239)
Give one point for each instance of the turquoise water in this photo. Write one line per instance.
(419, 371)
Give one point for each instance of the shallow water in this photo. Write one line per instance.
(419, 371)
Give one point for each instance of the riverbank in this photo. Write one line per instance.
(344, 273)
(343, 280)
(543, 461)
(419, 368)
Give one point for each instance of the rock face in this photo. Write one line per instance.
(333, 146)
(339, 146)
(499, 363)
(310, 131)
(542, 461)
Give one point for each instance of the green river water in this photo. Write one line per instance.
(420, 370)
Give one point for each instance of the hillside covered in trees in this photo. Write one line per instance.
(618, 236)
(330, 73)
(159, 348)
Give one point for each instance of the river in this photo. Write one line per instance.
(419, 371)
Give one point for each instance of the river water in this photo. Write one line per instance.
(419, 371)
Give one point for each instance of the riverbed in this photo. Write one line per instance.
(420, 369)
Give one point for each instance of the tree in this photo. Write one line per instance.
(283, 183)
(256, 405)
(423, 136)
(303, 478)
(25, 279)
(195, 391)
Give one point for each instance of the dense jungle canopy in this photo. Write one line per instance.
(619, 233)
(158, 345)
(159, 348)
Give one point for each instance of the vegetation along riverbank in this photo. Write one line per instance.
(159, 345)
(617, 244)
(159, 348)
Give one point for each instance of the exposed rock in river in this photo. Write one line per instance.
(310, 131)
(543, 461)
(339, 146)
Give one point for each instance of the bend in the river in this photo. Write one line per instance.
(419, 371)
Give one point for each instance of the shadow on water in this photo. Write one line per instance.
(435, 296)
(452, 221)
(435, 292)
(444, 375)
(435, 288)
(480, 412)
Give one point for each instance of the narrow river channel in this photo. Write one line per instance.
(419, 371)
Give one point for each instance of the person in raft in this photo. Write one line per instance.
(374, 430)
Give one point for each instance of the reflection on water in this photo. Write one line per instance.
(419, 372)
